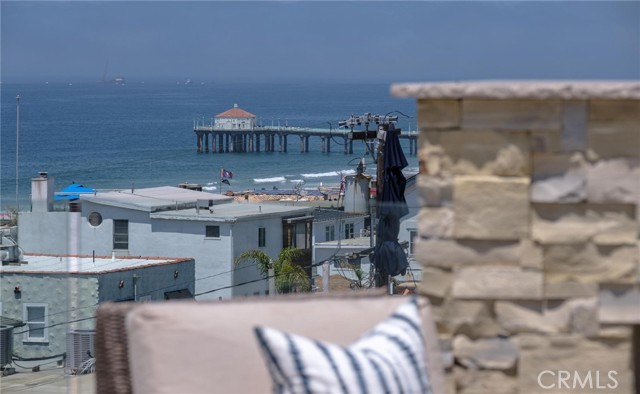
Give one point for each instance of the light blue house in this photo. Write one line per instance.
(55, 295)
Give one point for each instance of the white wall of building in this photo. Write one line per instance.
(234, 123)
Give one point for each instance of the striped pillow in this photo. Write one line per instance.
(390, 358)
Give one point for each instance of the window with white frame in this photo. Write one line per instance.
(262, 237)
(35, 317)
(348, 230)
(330, 233)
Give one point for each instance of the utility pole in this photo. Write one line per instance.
(17, 151)
(382, 122)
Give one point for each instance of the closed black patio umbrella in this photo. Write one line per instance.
(389, 257)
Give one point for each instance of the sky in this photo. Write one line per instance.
(381, 41)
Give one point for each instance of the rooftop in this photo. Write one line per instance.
(235, 112)
(325, 215)
(233, 212)
(59, 264)
(537, 90)
(155, 198)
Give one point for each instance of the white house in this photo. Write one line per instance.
(235, 119)
(169, 221)
(355, 250)
(55, 294)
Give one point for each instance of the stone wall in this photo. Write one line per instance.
(529, 233)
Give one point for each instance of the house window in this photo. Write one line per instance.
(212, 232)
(262, 237)
(35, 317)
(348, 230)
(412, 241)
(330, 233)
(121, 234)
(297, 235)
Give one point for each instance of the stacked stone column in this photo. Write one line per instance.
(529, 232)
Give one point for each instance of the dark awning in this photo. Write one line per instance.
(183, 294)
(7, 321)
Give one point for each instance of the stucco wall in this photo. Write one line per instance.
(529, 216)
(56, 291)
(55, 240)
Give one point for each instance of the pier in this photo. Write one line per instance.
(215, 139)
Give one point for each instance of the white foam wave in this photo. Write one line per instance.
(296, 180)
(209, 188)
(328, 174)
(270, 180)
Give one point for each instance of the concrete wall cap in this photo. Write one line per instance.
(526, 89)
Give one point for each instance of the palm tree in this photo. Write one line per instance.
(290, 276)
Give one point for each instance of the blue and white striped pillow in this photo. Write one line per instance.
(390, 358)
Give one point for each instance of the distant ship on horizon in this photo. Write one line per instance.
(116, 80)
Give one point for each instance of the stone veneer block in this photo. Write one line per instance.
(590, 263)
(491, 208)
(475, 381)
(530, 254)
(619, 304)
(448, 254)
(477, 153)
(564, 290)
(486, 353)
(435, 222)
(604, 224)
(438, 114)
(546, 141)
(614, 139)
(574, 125)
(497, 283)
(512, 114)
(614, 128)
(435, 191)
(614, 181)
(471, 318)
(435, 282)
(559, 178)
(577, 355)
(607, 110)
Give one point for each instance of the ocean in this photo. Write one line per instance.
(107, 136)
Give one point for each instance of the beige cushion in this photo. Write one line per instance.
(210, 347)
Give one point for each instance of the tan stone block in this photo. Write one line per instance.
(435, 222)
(543, 358)
(614, 139)
(614, 181)
(435, 191)
(471, 318)
(559, 178)
(497, 283)
(590, 263)
(607, 110)
(488, 207)
(471, 381)
(546, 141)
(448, 254)
(604, 224)
(563, 290)
(438, 114)
(486, 353)
(530, 254)
(477, 152)
(619, 304)
(512, 114)
(615, 332)
(435, 282)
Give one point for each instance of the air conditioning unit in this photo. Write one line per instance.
(80, 348)
(6, 344)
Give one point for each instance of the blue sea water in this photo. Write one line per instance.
(107, 136)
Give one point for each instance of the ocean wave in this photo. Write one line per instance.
(328, 174)
(209, 188)
(296, 180)
(270, 180)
